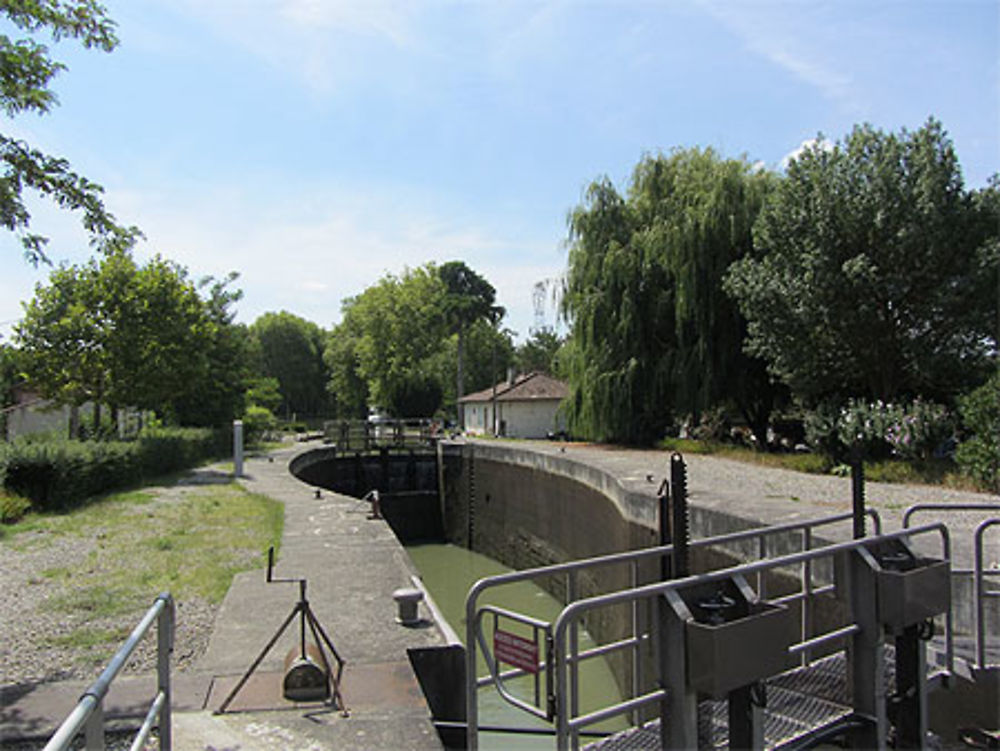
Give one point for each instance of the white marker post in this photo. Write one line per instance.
(237, 448)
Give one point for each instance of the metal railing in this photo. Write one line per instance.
(89, 712)
(363, 435)
(979, 573)
(981, 591)
(632, 559)
(569, 724)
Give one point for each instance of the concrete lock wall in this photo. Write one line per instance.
(524, 509)
(407, 483)
(529, 509)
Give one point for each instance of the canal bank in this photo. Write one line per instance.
(535, 503)
(354, 564)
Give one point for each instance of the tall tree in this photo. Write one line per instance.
(489, 353)
(27, 71)
(875, 271)
(468, 298)
(654, 335)
(60, 339)
(386, 338)
(217, 392)
(116, 333)
(9, 376)
(539, 352)
(290, 349)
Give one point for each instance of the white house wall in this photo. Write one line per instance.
(29, 419)
(534, 419)
(477, 418)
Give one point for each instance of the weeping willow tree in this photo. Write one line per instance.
(653, 334)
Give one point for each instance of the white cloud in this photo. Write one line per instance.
(309, 251)
(801, 38)
(823, 144)
(313, 41)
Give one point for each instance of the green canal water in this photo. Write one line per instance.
(448, 572)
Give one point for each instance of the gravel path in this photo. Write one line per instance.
(774, 496)
(33, 633)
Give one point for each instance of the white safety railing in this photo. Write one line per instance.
(88, 715)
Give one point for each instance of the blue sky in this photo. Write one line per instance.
(315, 145)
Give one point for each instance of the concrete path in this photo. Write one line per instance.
(353, 564)
(763, 495)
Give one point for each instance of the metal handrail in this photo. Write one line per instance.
(977, 572)
(565, 725)
(981, 593)
(88, 715)
(917, 507)
(629, 557)
(362, 435)
(493, 666)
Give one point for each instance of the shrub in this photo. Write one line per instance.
(916, 431)
(163, 450)
(979, 455)
(60, 473)
(911, 431)
(12, 507)
(257, 423)
(821, 432)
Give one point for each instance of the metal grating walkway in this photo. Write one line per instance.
(798, 702)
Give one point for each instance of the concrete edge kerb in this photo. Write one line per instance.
(634, 506)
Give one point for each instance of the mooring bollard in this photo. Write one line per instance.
(407, 600)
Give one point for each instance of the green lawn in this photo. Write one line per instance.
(189, 540)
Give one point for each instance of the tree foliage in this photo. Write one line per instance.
(979, 454)
(388, 335)
(489, 353)
(26, 72)
(653, 335)
(290, 349)
(468, 298)
(113, 332)
(217, 393)
(397, 344)
(874, 271)
(540, 352)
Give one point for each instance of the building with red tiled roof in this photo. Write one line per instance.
(526, 406)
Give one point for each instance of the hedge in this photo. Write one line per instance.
(62, 473)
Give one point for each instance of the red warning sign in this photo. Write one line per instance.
(515, 650)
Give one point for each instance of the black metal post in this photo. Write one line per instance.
(680, 527)
(858, 490)
(664, 521)
(908, 710)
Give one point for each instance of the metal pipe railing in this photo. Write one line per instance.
(88, 715)
(566, 724)
(981, 593)
(633, 558)
(917, 507)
